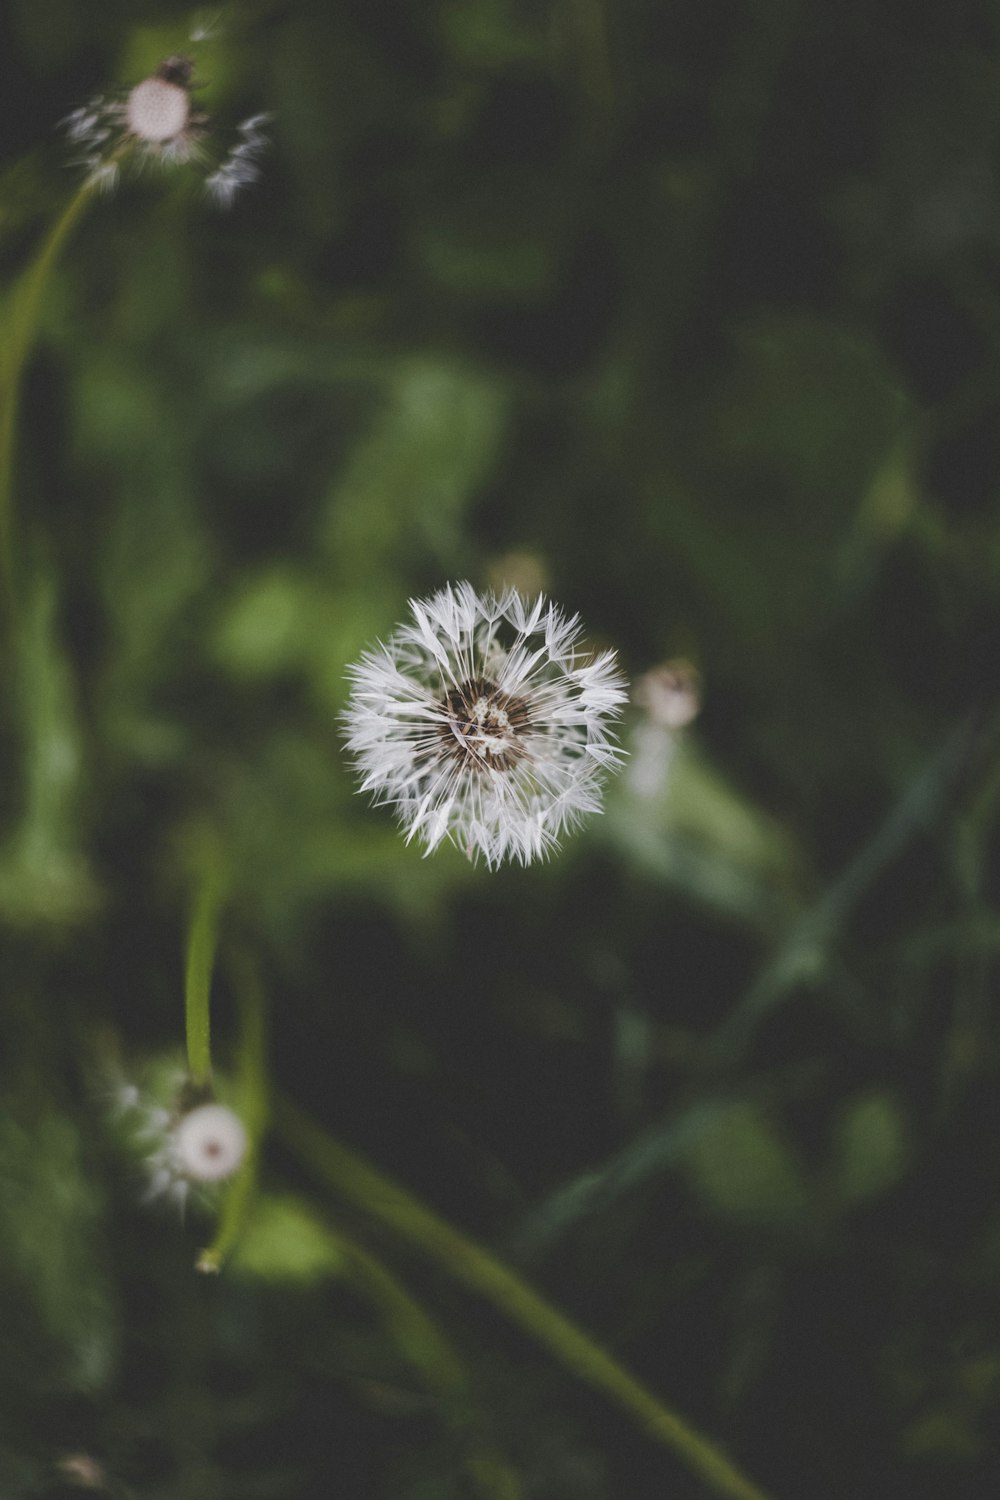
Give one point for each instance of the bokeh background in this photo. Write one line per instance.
(688, 314)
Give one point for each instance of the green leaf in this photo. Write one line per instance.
(870, 1147)
(58, 1322)
(744, 1169)
(286, 1241)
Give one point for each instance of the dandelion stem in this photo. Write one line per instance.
(201, 945)
(426, 1349)
(253, 1106)
(21, 325)
(350, 1175)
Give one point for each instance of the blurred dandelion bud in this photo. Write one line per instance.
(82, 1471)
(156, 122)
(188, 1143)
(483, 722)
(209, 1143)
(671, 697)
(670, 694)
(200, 1147)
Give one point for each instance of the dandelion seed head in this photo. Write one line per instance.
(481, 721)
(186, 1141)
(157, 111)
(209, 1143)
(156, 121)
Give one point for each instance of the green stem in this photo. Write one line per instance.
(420, 1342)
(21, 325)
(201, 945)
(350, 1175)
(253, 1106)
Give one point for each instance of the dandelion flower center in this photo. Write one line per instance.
(484, 728)
(157, 110)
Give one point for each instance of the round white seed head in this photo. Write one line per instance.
(209, 1143)
(157, 110)
(483, 722)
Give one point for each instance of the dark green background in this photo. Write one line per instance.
(694, 308)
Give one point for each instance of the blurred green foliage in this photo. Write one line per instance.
(686, 314)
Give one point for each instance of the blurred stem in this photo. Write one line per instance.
(420, 1342)
(804, 954)
(202, 941)
(253, 1107)
(21, 325)
(350, 1175)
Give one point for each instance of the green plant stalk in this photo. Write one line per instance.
(202, 941)
(355, 1179)
(253, 1103)
(22, 324)
(422, 1344)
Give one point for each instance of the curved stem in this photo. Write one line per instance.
(420, 1341)
(350, 1175)
(253, 1103)
(201, 945)
(21, 325)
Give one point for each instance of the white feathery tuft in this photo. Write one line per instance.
(481, 721)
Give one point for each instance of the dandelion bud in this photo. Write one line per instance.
(670, 694)
(209, 1143)
(82, 1471)
(671, 697)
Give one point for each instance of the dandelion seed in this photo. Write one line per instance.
(483, 722)
(242, 165)
(207, 25)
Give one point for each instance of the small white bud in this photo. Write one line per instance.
(209, 1143)
(670, 694)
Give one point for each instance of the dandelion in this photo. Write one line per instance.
(202, 1146)
(156, 122)
(483, 722)
(670, 696)
(190, 1143)
(209, 1143)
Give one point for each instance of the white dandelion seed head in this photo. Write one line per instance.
(185, 1141)
(156, 122)
(208, 1143)
(157, 110)
(483, 722)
